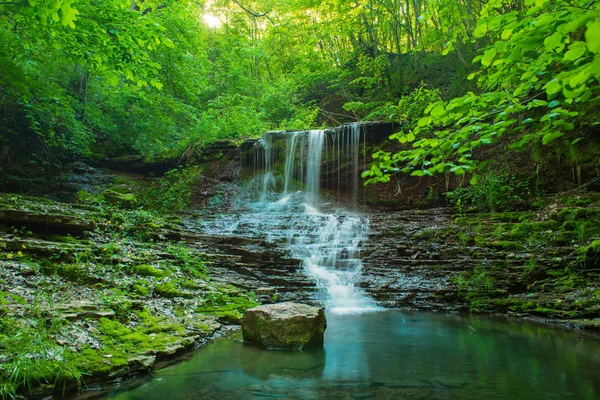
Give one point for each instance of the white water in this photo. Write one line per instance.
(328, 241)
(329, 246)
(290, 160)
(313, 169)
(268, 178)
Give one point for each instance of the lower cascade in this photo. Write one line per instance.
(328, 240)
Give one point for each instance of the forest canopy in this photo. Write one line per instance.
(156, 78)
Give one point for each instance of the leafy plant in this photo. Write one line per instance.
(538, 76)
(492, 193)
(475, 286)
(172, 192)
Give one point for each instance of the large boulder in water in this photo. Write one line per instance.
(290, 326)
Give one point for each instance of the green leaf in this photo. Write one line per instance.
(551, 136)
(553, 41)
(69, 14)
(438, 111)
(418, 172)
(156, 83)
(574, 53)
(579, 79)
(458, 170)
(592, 36)
(553, 87)
(113, 79)
(481, 30)
(424, 121)
(554, 104)
(488, 57)
(474, 179)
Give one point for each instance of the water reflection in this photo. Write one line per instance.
(393, 355)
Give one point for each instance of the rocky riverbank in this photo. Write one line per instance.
(99, 288)
(94, 293)
(533, 264)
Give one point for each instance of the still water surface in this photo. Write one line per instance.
(392, 355)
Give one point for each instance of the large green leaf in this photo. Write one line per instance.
(592, 36)
(488, 56)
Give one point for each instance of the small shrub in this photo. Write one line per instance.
(491, 194)
(475, 286)
(173, 192)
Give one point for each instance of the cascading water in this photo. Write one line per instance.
(290, 160)
(329, 246)
(268, 175)
(327, 240)
(313, 169)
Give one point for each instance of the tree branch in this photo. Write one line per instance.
(253, 13)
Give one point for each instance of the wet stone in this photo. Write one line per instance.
(287, 326)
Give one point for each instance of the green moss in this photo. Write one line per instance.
(121, 342)
(504, 245)
(566, 279)
(141, 288)
(68, 239)
(594, 246)
(170, 290)
(426, 234)
(527, 229)
(572, 214)
(227, 303)
(72, 272)
(190, 285)
(119, 199)
(120, 188)
(148, 270)
(188, 260)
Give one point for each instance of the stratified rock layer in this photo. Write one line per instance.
(284, 326)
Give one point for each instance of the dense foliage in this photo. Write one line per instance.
(116, 77)
(159, 77)
(538, 85)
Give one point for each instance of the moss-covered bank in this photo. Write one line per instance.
(93, 293)
(543, 263)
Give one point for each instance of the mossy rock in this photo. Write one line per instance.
(123, 200)
(289, 326)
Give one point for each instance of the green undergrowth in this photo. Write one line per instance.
(30, 355)
(127, 288)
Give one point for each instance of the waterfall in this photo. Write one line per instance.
(313, 167)
(328, 241)
(290, 160)
(329, 246)
(354, 149)
(268, 177)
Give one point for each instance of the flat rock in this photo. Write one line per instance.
(141, 363)
(291, 326)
